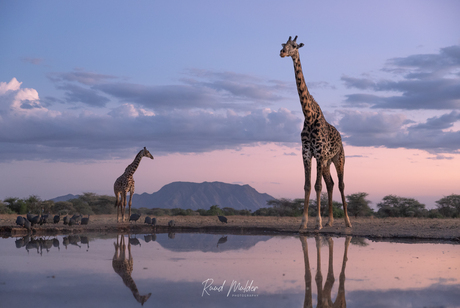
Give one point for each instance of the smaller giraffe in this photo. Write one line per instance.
(124, 267)
(125, 184)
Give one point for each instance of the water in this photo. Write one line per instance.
(208, 270)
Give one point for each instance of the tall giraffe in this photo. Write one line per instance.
(125, 184)
(320, 140)
(324, 294)
(124, 267)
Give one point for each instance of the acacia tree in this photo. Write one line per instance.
(395, 206)
(358, 205)
(449, 206)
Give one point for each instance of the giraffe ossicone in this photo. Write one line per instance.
(320, 140)
(125, 184)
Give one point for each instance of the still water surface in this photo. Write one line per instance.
(209, 270)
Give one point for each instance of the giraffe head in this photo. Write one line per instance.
(146, 153)
(290, 48)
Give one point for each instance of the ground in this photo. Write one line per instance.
(392, 228)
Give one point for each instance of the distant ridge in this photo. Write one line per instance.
(65, 198)
(189, 195)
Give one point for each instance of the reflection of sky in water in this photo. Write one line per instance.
(377, 274)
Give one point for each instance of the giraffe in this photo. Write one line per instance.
(324, 294)
(125, 184)
(124, 267)
(320, 140)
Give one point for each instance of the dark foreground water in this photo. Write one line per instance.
(207, 270)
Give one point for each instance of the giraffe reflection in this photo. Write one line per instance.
(124, 267)
(324, 294)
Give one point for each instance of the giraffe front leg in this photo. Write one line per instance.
(318, 187)
(117, 205)
(131, 193)
(123, 206)
(307, 188)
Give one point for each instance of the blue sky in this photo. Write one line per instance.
(201, 82)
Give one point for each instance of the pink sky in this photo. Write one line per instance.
(273, 169)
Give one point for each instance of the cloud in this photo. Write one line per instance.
(396, 131)
(29, 131)
(198, 89)
(77, 94)
(423, 81)
(21, 102)
(34, 61)
(80, 76)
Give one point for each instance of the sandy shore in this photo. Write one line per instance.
(393, 228)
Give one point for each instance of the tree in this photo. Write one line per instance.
(64, 207)
(337, 210)
(286, 207)
(214, 210)
(394, 206)
(358, 205)
(81, 207)
(34, 204)
(16, 205)
(449, 206)
(4, 209)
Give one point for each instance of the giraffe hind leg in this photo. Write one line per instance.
(330, 187)
(339, 163)
(318, 188)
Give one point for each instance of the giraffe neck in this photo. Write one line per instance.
(129, 171)
(306, 99)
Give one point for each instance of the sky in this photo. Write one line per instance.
(84, 86)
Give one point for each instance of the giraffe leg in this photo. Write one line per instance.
(318, 187)
(340, 299)
(339, 163)
(330, 186)
(327, 298)
(319, 274)
(123, 207)
(131, 193)
(308, 292)
(117, 204)
(307, 188)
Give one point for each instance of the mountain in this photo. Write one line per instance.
(209, 242)
(188, 195)
(65, 198)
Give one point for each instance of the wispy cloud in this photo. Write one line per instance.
(377, 129)
(34, 61)
(423, 81)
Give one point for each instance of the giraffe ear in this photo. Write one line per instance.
(300, 45)
(283, 45)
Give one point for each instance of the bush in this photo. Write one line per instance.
(358, 205)
(449, 206)
(394, 206)
(214, 210)
(64, 207)
(4, 209)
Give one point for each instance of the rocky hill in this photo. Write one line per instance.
(188, 195)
